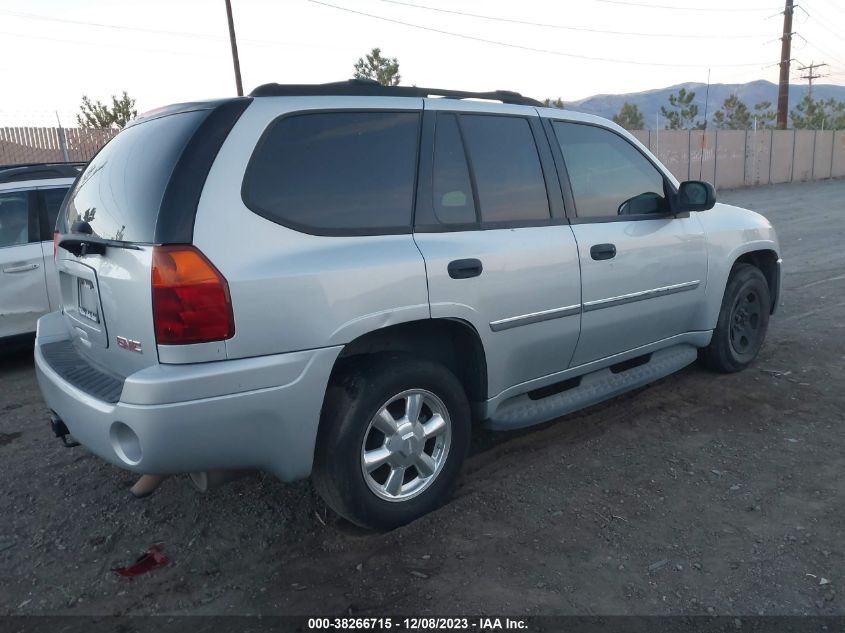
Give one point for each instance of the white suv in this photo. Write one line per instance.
(341, 279)
(30, 197)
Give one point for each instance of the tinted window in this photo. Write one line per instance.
(507, 169)
(336, 171)
(14, 218)
(452, 189)
(52, 203)
(120, 191)
(609, 176)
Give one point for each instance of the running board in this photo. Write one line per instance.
(595, 387)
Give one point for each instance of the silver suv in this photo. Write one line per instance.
(341, 280)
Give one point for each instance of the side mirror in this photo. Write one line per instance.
(695, 195)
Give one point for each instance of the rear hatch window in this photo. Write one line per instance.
(120, 192)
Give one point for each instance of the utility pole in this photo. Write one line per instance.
(785, 56)
(810, 76)
(234, 43)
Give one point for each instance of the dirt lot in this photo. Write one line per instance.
(699, 494)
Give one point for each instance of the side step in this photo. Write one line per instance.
(522, 410)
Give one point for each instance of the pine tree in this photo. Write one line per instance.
(683, 114)
(629, 117)
(382, 69)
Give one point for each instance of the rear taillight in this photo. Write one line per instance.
(55, 243)
(190, 298)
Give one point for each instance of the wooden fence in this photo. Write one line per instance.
(19, 145)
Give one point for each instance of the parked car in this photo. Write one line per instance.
(30, 197)
(341, 280)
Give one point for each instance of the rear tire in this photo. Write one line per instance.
(743, 321)
(394, 433)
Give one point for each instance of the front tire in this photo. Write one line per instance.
(743, 321)
(393, 436)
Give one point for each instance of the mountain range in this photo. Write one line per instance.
(649, 101)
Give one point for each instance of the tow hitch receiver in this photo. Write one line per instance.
(61, 431)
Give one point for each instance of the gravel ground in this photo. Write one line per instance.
(699, 494)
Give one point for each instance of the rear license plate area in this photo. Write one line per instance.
(88, 305)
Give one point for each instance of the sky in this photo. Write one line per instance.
(54, 51)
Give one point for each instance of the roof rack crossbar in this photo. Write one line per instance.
(369, 88)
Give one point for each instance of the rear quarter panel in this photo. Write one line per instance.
(291, 290)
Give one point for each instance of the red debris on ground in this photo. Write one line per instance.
(153, 559)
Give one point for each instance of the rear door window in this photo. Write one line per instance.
(14, 218)
(508, 176)
(52, 202)
(336, 172)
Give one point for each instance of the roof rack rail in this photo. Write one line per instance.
(370, 88)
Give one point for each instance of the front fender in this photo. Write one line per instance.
(731, 233)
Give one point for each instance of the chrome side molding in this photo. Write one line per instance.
(610, 302)
(534, 317)
(589, 306)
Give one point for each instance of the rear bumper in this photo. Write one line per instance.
(252, 413)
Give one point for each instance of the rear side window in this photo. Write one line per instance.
(507, 170)
(608, 175)
(336, 172)
(120, 192)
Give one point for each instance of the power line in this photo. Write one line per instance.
(100, 44)
(527, 48)
(675, 8)
(824, 26)
(837, 8)
(675, 35)
(821, 22)
(122, 27)
(823, 51)
(46, 18)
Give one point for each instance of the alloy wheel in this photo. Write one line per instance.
(406, 445)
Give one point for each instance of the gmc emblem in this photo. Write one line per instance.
(132, 346)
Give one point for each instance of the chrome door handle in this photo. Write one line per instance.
(20, 269)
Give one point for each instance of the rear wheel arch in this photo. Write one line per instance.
(453, 343)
